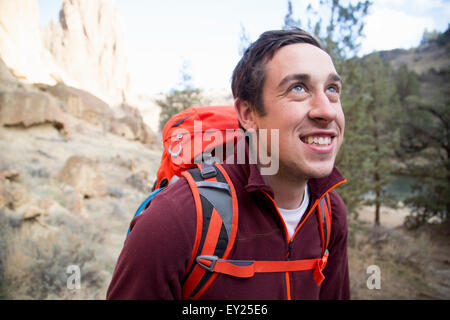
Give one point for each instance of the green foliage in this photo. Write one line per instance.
(406, 84)
(176, 101)
(353, 159)
(441, 38)
(382, 111)
(371, 137)
(180, 98)
(342, 30)
(428, 37)
(425, 147)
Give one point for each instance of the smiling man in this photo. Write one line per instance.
(300, 97)
(291, 240)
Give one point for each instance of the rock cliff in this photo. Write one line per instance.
(88, 44)
(84, 49)
(21, 47)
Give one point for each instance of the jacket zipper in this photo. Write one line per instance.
(288, 256)
(288, 279)
(290, 241)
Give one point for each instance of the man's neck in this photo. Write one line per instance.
(288, 193)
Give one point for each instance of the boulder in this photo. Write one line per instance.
(23, 108)
(32, 213)
(85, 176)
(11, 174)
(81, 104)
(131, 125)
(74, 203)
(140, 181)
(12, 195)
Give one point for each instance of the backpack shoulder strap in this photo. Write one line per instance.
(248, 268)
(145, 204)
(217, 218)
(324, 216)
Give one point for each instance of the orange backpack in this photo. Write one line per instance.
(193, 133)
(189, 139)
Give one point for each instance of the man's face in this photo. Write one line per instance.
(301, 97)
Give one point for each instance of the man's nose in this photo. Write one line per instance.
(321, 108)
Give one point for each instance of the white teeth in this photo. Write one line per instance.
(318, 140)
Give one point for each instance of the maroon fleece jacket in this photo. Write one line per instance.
(158, 249)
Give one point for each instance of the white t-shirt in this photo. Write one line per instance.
(292, 217)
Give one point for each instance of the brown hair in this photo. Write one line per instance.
(249, 74)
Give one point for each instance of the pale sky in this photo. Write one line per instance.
(161, 35)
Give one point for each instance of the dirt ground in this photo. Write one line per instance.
(389, 218)
(413, 264)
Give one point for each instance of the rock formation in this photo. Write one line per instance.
(83, 174)
(66, 195)
(81, 104)
(21, 46)
(23, 105)
(30, 108)
(85, 49)
(87, 43)
(129, 123)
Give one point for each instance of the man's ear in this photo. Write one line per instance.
(246, 115)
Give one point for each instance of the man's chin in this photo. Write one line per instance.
(320, 172)
(305, 172)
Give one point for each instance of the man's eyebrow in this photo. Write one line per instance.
(334, 77)
(293, 77)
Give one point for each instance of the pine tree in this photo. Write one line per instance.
(382, 134)
(180, 98)
(244, 40)
(372, 135)
(425, 147)
(353, 158)
(340, 33)
(289, 21)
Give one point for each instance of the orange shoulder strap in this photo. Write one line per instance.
(324, 215)
(247, 268)
(217, 217)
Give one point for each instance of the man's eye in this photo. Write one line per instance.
(333, 89)
(298, 89)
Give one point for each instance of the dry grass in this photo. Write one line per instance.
(34, 257)
(71, 230)
(407, 260)
(36, 260)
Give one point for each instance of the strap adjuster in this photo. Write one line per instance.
(213, 260)
(208, 170)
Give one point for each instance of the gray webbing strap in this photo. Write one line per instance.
(219, 194)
